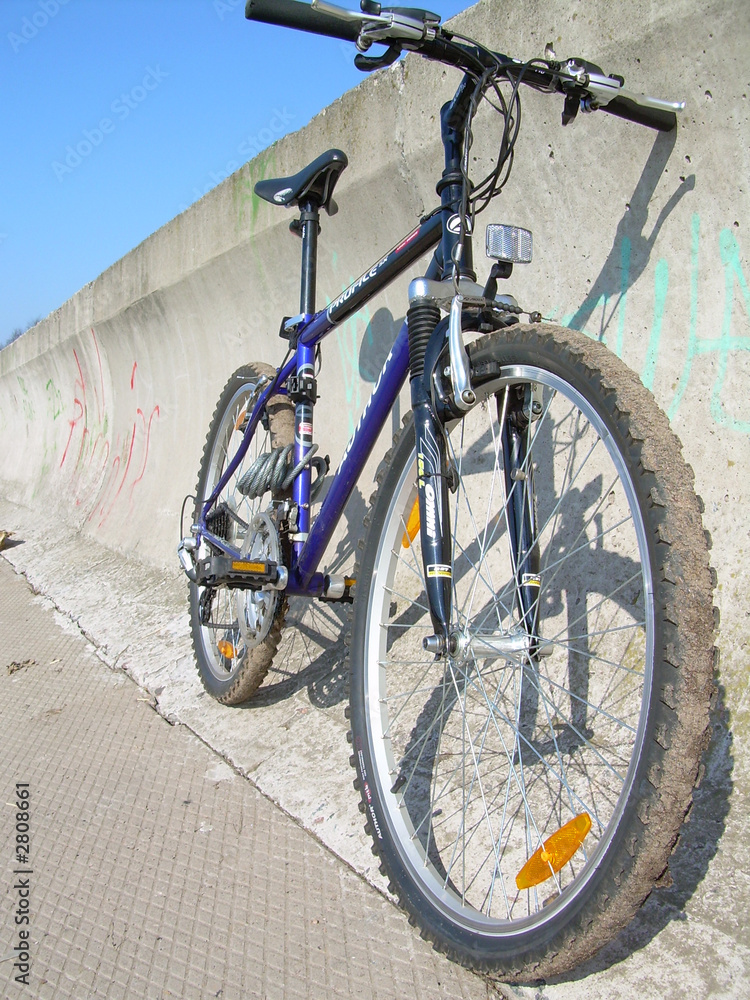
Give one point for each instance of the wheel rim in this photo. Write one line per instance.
(479, 760)
(240, 620)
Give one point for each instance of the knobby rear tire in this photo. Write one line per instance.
(467, 764)
(235, 613)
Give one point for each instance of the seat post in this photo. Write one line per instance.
(309, 220)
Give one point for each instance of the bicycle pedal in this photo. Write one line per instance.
(241, 574)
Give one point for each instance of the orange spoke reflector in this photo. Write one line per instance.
(240, 419)
(556, 852)
(226, 649)
(412, 526)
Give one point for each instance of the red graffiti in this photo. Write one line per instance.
(119, 466)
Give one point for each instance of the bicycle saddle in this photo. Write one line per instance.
(315, 182)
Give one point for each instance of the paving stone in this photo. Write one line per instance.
(152, 879)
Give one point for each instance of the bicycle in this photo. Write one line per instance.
(531, 645)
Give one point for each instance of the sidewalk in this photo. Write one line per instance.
(158, 871)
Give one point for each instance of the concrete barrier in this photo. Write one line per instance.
(640, 239)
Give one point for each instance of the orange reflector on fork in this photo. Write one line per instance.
(554, 853)
(412, 526)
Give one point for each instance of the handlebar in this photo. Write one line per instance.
(661, 119)
(584, 85)
(292, 14)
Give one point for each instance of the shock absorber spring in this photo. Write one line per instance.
(423, 316)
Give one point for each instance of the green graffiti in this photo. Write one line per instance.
(726, 344)
(55, 399)
(246, 201)
(28, 409)
(661, 285)
(624, 285)
(693, 324)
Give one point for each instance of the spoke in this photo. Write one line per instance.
(568, 469)
(387, 732)
(606, 631)
(547, 767)
(556, 508)
(586, 545)
(408, 600)
(482, 549)
(588, 704)
(497, 602)
(589, 611)
(481, 788)
(580, 735)
(593, 656)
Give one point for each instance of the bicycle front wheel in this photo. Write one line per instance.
(524, 792)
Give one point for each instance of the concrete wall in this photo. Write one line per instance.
(104, 405)
(639, 238)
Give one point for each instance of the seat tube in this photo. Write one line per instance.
(303, 439)
(304, 391)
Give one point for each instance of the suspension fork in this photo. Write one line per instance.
(433, 474)
(518, 474)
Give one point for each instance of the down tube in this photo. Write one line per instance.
(357, 452)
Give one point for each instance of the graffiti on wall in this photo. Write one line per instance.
(75, 427)
(727, 343)
(603, 314)
(116, 465)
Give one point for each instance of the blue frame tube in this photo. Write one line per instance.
(303, 575)
(371, 422)
(303, 442)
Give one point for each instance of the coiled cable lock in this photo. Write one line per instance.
(273, 471)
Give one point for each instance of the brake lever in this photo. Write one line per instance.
(324, 7)
(370, 63)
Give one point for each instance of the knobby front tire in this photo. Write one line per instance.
(235, 643)
(467, 764)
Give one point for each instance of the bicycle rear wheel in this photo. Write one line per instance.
(237, 632)
(480, 771)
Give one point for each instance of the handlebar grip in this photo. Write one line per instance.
(292, 14)
(623, 107)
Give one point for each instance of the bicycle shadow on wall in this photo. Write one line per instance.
(699, 838)
(631, 248)
(311, 625)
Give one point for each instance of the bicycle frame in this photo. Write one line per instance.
(304, 578)
(309, 542)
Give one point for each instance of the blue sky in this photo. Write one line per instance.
(118, 114)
